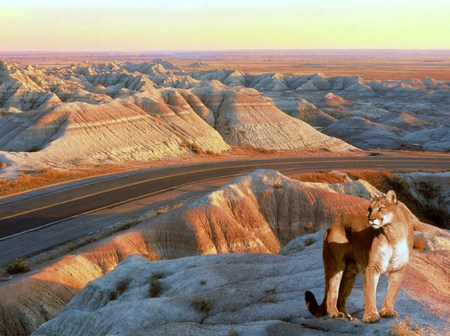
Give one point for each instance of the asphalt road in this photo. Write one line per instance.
(31, 211)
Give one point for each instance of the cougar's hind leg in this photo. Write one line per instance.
(347, 283)
(333, 276)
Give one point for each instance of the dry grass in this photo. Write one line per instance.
(41, 178)
(321, 177)
(382, 180)
(161, 211)
(406, 328)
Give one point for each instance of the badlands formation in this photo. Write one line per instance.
(277, 221)
(116, 112)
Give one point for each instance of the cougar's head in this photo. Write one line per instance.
(381, 210)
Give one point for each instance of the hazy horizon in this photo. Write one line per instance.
(148, 51)
(201, 25)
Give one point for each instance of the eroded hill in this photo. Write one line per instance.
(258, 213)
(116, 112)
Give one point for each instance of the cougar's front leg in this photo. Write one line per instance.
(371, 277)
(395, 280)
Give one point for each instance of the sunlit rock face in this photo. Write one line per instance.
(263, 212)
(156, 110)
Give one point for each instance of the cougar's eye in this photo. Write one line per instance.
(380, 209)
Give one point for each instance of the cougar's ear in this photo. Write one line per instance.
(391, 197)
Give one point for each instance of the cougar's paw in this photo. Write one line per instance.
(351, 318)
(371, 317)
(388, 313)
(338, 315)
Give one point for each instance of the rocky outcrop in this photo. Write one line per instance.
(243, 294)
(241, 108)
(145, 111)
(255, 121)
(261, 212)
(305, 111)
(367, 134)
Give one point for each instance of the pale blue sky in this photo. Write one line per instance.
(232, 24)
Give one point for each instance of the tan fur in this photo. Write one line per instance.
(381, 242)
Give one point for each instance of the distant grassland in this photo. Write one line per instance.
(41, 178)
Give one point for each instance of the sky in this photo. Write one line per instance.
(141, 25)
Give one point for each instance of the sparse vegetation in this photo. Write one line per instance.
(129, 223)
(202, 306)
(233, 332)
(270, 291)
(233, 308)
(428, 190)
(322, 177)
(278, 186)
(406, 328)
(192, 146)
(265, 150)
(161, 211)
(269, 299)
(309, 241)
(155, 287)
(176, 205)
(121, 287)
(18, 266)
(40, 178)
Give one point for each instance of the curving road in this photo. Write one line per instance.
(32, 211)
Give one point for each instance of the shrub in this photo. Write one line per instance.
(233, 332)
(112, 296)
(309, 241)
(155, 287)
(196, 149)
(202, 306)
(278, 186)
(18, 266)
(161, 211)
(428, 190)
(203, 282)
(122, 286)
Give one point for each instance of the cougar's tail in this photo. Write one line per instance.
(312, 304)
